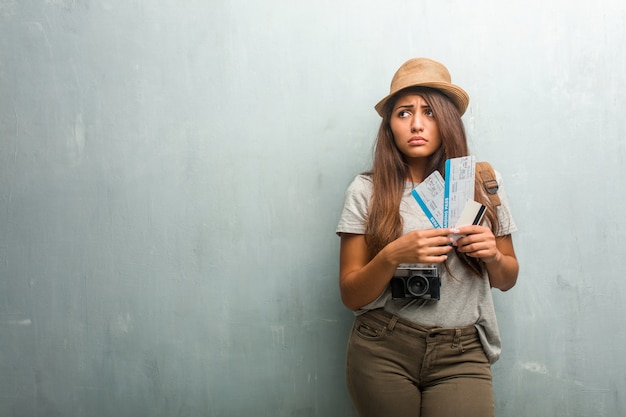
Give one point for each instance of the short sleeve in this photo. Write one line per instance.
(356, 201)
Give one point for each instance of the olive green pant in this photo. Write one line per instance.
(395, 368)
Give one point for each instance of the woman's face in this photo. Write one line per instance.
(414, 128)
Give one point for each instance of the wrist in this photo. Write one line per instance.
(386, 256)
(494, 259)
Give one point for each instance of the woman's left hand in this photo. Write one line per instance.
(497, 254)
(477, 242)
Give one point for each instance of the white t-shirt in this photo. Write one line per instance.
(465, 298)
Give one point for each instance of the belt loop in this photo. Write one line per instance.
(456, 341)
(392, 323)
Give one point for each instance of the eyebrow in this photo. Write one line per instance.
(410, 106)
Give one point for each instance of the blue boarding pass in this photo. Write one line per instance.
(458, 189)
(443, 201)
(429, 195)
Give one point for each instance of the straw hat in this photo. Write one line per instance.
(424, 72)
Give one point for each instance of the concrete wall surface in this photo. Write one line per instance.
(171, 176)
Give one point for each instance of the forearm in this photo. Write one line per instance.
(503, 271)
(496, 252)
(362, 286)
(362, 279)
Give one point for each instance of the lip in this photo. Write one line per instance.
(417, 141)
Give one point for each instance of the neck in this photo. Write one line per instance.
(417, 169)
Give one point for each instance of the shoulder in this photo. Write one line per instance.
(362, 181)
(356, 204)
(505, 216)
(500, 181)
(485, 171)
(361, 185)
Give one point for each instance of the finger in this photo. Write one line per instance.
(473, 238)
(470, 247)
(464, 241)
(434, 259)
(442, 241)
(440, 250)
(471, 230)
(437, 232)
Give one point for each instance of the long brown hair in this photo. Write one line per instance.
(390, 171)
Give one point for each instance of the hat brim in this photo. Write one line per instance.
(456, 94)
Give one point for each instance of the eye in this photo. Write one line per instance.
(403, 113)
(429, 112)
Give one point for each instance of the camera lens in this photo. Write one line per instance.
(417, 285)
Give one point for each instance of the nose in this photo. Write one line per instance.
(416, 124)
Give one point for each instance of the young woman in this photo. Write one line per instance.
(416, 356)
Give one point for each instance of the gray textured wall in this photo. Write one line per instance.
(171, 173)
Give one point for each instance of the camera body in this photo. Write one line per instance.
(416, 281)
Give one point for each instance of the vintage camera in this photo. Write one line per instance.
(416, 281)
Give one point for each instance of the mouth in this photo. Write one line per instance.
(417, 141)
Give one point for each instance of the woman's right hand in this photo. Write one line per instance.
(429, 246)
(363, 278)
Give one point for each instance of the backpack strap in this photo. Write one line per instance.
(486, 176)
